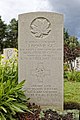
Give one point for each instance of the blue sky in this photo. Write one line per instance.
(70, 8)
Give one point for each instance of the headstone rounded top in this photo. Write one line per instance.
(41, 12)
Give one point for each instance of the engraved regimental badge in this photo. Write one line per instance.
(40, 27)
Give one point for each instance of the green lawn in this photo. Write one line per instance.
(72, 92)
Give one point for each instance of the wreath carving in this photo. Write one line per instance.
(40, 27)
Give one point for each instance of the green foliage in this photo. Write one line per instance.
(41, 115)
(49, 114)
(12, 34)
(8, 69)
(8, 34)
(72, 76)
(12, 98)
(66, 67)
(2, 33)
(66, 75)
(71, 47)
(66, 36)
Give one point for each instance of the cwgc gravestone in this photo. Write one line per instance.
(41, 57)
(9, 53)
(77, 64)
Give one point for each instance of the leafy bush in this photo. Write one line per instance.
(66, 67)
(12, 98)
(71, 76)
(9, 68)
(74, 76)
(66, 74)
(77, 76)
(66, 70)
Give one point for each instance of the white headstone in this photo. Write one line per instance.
(78, 63)
(41, 57)
(9, 53)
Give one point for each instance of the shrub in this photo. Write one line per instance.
(66, 74)
(73, 76)
(77, 74)
(66, 67)
(12, 98)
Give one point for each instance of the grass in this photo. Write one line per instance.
(72, 92)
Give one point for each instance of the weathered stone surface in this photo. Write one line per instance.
(41, 57)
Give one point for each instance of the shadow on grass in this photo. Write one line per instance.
(71, 105)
